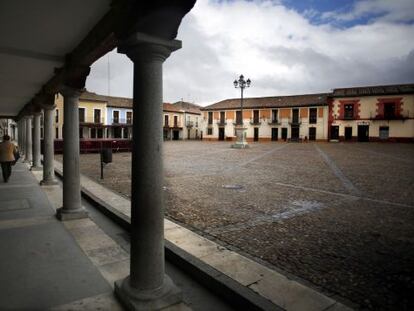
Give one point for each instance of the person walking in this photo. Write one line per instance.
(7, 158)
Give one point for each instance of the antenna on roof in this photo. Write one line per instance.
(109, 76)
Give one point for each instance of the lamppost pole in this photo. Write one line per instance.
(242, 84)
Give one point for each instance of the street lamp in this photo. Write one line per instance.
(240, 129)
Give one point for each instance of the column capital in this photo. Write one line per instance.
(53, 107)
(68, 91)
(143, 47)
(75, 77)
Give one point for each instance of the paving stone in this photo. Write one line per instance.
(343, 248)
(104, 302)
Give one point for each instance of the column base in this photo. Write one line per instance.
(36, 168)
(63, 214)
(240, 145)
(52, 182)
(134, 299)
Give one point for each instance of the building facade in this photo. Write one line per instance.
(109, 117)
(296, 118)
(92, 117)
(379, 113)
(374, 113)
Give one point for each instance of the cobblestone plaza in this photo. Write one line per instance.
(339, 217)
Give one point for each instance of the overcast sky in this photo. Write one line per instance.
(285, 47)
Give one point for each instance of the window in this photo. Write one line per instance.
(209, 131)
(389, 110)
(274, 115)
(196, 121)
(166, 120)
(57, 133)
(348, 111)
(93, 133)
(239, 117)
(222, 117)
(81, 132)
(256, 116)
(115, 116)
(97, 115)
(175, 121)
(210, 117)
(295, 116)
(313, 116)
(129, 117)
(384, 132)
(57, 116)
(81, 115)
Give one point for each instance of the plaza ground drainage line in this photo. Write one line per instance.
(345, 195)
(262, 155)
(338, 173)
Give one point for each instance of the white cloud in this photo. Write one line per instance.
(281, 51)
(387, 10)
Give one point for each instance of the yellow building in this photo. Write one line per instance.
(92, 117)
(373, 113)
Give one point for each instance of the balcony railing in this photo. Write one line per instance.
(238, 122)
(189, 123)
(255, 121)
(95, 121)
(388, 117)
(274, 122)
(295, 121)
(221, 123)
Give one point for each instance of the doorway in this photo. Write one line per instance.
(363, 133)
(275, 134)
(334, 132)
(348, 133)
(256, 134)
(221, 133)
(176, 135)
(284, 133)
(312, 133)
(295, 133)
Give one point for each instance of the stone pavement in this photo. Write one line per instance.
(46, 264)
(282, 291)
(339, 217)
(41, 264)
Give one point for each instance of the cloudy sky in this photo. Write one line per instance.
(284, 46)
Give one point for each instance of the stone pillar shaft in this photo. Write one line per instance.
(147, 287)
(29, 148)
(72, 207)
(36, 142)
(147, 212)
(48, 148)
(23, 141)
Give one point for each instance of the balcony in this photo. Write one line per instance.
(389, 117)
(255, 121)
(295, 122)
(221, 123)
(274, 122)
(97, 121)
(118, 121)
(238, 123)
(189, 124)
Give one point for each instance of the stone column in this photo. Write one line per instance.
(28, 145)
(147, 286)
(19, 134)
(36, 142)
(72, 207)
(23, 132)
(48, 148)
